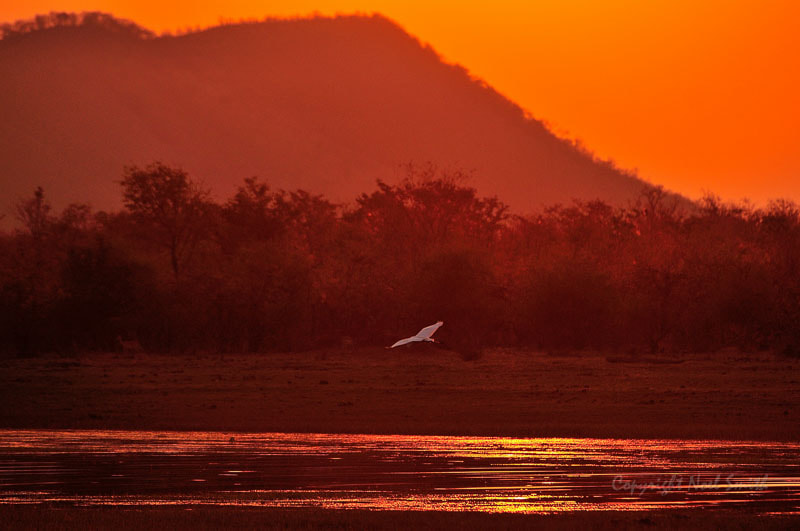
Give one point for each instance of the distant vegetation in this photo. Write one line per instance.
(70, 20)
(273, 270)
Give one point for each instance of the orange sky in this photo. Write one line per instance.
(696, 95)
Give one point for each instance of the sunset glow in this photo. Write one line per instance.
(696, 96)
(222, 221)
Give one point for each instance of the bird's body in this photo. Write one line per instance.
(423, 335)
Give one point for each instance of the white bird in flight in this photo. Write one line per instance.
(423, 335)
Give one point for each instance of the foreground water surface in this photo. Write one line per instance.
(384, 472)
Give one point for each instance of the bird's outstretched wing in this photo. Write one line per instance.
(423, 335)
(405, 341)
(428, 331)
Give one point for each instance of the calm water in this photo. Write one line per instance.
(395, 472)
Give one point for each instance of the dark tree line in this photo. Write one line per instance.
(279, 271)
(54, 20)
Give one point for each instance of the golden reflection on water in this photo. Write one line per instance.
(394, 472)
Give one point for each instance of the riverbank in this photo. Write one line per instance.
(415, 391)
(199, 517)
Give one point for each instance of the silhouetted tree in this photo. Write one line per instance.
(29, 277)
(170, 206)
(34, 214)
(251, 214)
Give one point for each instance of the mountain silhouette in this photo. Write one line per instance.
(325, 104)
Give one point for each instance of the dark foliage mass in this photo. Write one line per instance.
(275, 270)
(92, 19)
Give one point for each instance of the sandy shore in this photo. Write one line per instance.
(430, 391)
